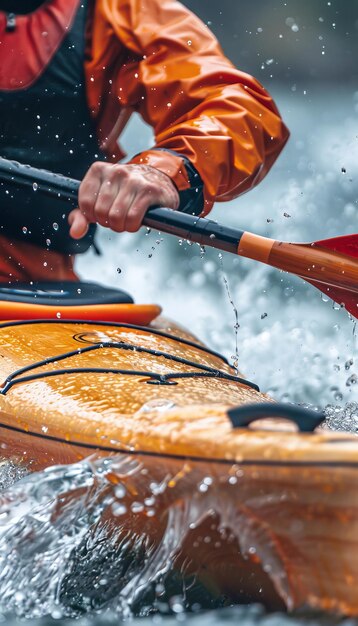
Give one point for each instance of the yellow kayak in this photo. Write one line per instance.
(268, 513)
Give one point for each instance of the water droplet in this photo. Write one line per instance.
(352, 380)
(137, 507)
(55, 226)
(35, 186)
(118, 509)
(176, 604)
(120, 491)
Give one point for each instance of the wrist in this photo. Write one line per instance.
(184, 176)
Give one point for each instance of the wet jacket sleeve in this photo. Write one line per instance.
(199, 105)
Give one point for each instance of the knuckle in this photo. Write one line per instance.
(102, 221)
(85, 202)
(120, 171)
(140, 183)
(116, 220)
(97, 167)
(111, 175)
(152, 189)
(134, 220)
(101, 214)
(104, 196)
(131, 227)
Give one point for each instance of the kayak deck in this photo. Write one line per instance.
(145, 389)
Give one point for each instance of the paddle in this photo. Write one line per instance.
(331, 265)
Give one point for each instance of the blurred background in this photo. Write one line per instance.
(288, 41)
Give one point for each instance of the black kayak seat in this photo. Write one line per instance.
(63, 293)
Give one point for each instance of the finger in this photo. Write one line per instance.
(89, 190)
(108, 192)
(135, 215)
(78, 223)
(120, 207)
(133, 201)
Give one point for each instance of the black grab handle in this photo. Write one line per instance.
(56, 186)
(307, 420)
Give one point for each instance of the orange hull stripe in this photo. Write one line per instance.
(141, 314)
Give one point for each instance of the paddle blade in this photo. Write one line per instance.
(345, 298)
(347, 244)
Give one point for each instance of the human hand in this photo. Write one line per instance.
(118, 197)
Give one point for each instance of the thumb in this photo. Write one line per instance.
(78, 223)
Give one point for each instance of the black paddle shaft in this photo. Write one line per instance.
(188, 227)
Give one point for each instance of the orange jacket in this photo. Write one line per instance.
(157, 58)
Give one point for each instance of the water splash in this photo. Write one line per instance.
(343, 418)
(109, 534)
(65, 549)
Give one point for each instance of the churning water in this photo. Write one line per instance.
(281, 332)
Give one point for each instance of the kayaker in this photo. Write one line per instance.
(72, 72)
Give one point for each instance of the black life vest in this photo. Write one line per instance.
(44, 117)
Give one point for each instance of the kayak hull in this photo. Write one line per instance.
(285, 536)
(250, 515)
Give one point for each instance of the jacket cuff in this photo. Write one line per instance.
(184, 175)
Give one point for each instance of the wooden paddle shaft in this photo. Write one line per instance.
(309, 261)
